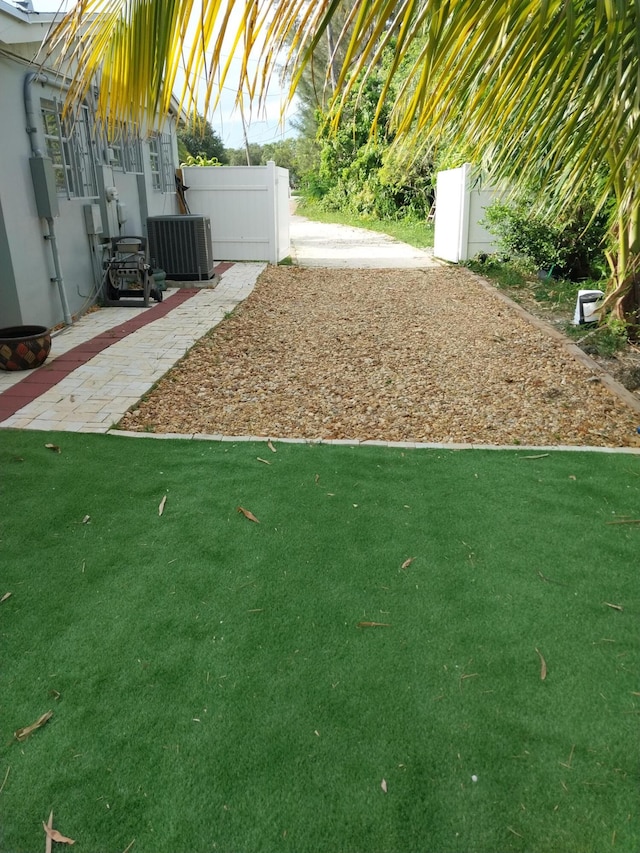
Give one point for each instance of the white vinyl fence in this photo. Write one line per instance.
(248, 207)
(460, 206)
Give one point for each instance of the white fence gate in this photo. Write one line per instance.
(248, 207)
(460, 206)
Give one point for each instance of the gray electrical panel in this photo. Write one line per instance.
(44, 185)
(92, 218)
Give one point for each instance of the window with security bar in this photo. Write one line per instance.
(126, 148)
(162, 165)
(71, 147)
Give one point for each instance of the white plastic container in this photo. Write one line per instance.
(587, 306)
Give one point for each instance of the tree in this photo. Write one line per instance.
(200, 139)
(238, 156)
(544, 93)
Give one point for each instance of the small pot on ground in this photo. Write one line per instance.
(24, 347)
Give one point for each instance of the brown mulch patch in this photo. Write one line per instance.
(396, 355)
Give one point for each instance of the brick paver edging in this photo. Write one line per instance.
(44, 378)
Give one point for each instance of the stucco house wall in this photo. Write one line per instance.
(132, 180)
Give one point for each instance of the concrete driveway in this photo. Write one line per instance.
(318, 244)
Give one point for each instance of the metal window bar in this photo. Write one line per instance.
(117, 160)
(56, 143)
(72, 150)
(132, 150)
(154, 158)
(168, 167)
(127, 151)
(84, 148)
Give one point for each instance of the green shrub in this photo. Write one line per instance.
(505, 272)
(200, 160)
(571, 246)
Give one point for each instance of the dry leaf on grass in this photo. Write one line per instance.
(383, 785)
(49, 843)
(4, 781)
(53, 447)
(567, 764)
(248, 514)
(271, 447)
(614, 606)
(538, 456)
(550, 580)
(5, 596)
(162, 505)
(625, 521)
(407, 563)
(86, 519)
(260, 459)
(54, 835)
(23, 733)
(543, 667)
(373, 625)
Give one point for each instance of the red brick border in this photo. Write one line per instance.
(44, 378)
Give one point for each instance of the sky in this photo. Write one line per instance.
(263, 126)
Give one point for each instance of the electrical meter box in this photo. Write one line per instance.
(93, 219)
(44, 185)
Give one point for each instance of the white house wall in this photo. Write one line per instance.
(27, 293)
(36, 300)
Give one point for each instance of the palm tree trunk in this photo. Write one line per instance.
(623, 299)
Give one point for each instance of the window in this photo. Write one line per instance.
(127, 151)
(133, 155)
(162, 167)
(71, 147)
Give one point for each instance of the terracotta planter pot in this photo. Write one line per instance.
(23, 347)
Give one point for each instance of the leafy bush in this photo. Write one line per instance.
(200, 160)
(198, 139)
(572, 246)
(364, 176)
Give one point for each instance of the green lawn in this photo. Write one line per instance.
(217, 694)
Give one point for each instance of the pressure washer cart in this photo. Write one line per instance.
(128, 274)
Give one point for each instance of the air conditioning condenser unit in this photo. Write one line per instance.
(181, 246)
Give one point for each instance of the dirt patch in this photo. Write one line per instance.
(396, 355)
(623, 365)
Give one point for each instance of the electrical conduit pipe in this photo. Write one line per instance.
(36, 151)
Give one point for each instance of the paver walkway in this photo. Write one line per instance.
(103, 364)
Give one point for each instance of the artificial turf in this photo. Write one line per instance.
(217, 694)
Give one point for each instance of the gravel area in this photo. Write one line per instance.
(395, 355)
